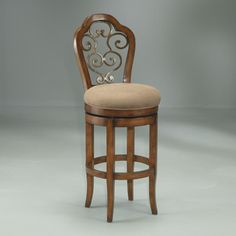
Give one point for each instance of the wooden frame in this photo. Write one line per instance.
(78, 36)
(117, 118)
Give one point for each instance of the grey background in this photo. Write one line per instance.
(185, 48)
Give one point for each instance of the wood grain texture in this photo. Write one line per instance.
(110, 169)
(153, 165)
(121, 121)
(78, 36)
(120, 113)
(121, 175)
(122, 157)
(130, 160)
(89, 137)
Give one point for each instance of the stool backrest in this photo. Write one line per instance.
(100, 45)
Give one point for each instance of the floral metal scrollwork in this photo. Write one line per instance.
(111, 58)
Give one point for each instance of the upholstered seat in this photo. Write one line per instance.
(122, 96)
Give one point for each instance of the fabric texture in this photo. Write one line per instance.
(124, 96)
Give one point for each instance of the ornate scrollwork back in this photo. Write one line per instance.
(103, 59)
(111, 58)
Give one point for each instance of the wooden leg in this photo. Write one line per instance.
(130, 159)
(153, 164)
(110, 169)
(89, 161)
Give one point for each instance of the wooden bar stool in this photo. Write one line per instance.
(113, 105)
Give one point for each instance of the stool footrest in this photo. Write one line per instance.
(121, 175)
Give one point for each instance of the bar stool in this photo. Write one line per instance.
(112, 105)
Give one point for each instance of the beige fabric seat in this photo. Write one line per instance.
(122, 96)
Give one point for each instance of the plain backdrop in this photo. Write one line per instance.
(186, 48)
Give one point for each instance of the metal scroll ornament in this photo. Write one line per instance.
(111, 58)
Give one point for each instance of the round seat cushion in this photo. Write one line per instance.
(122, 96)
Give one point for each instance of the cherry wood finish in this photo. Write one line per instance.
(89, 161)
(120, 113)
(130, 159)
(153, 164)
(111, 119)
(121, 175)
(78, 36)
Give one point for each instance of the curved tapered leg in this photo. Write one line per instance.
(153, 164)
(89, 195)
(110, 169)
(152, 193)
(130, 160)
(89, 161)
